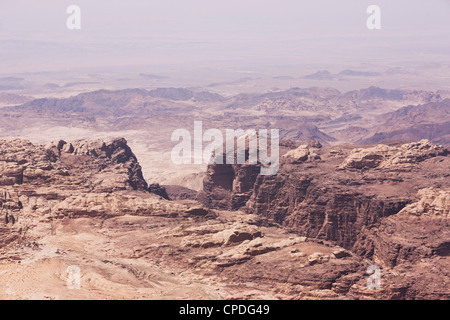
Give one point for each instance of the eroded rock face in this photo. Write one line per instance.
(76, 179)
(419, 231)
(229, 186)
(115, 152)
(413, 249)
(389, 204)
(327, 198)
(89, 164)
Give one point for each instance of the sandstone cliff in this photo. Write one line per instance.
(374, 201)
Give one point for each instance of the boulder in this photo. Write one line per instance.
(392, 157)
(318, 257)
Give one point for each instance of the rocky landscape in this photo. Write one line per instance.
(363, 182)
(309, 232)
(148, 117)
(111, 117)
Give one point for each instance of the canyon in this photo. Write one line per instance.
(309, 232)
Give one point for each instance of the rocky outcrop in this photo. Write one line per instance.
(419, 231)
(303, 153)
(413, 249)
(221, 236)
(116, 204)
(115, 152)
(432, 203)
(78, 179)
(159, 190)
(93, 164)
(7, 236)
(388, 204)
(328, 198)
(391, 157)
(180, 193)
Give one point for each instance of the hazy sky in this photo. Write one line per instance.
(34, 36)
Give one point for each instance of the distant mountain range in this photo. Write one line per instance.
(326, 75)
(368, 115)
(13, 99)
(429, 121)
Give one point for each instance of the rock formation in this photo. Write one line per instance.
(391, 157)
(386, 203)
(310, 232)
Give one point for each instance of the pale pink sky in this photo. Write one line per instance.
(33, 34)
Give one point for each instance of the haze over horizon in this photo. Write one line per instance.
(220, 34)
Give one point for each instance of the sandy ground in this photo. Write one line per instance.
(108, 269)
(153, 257)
